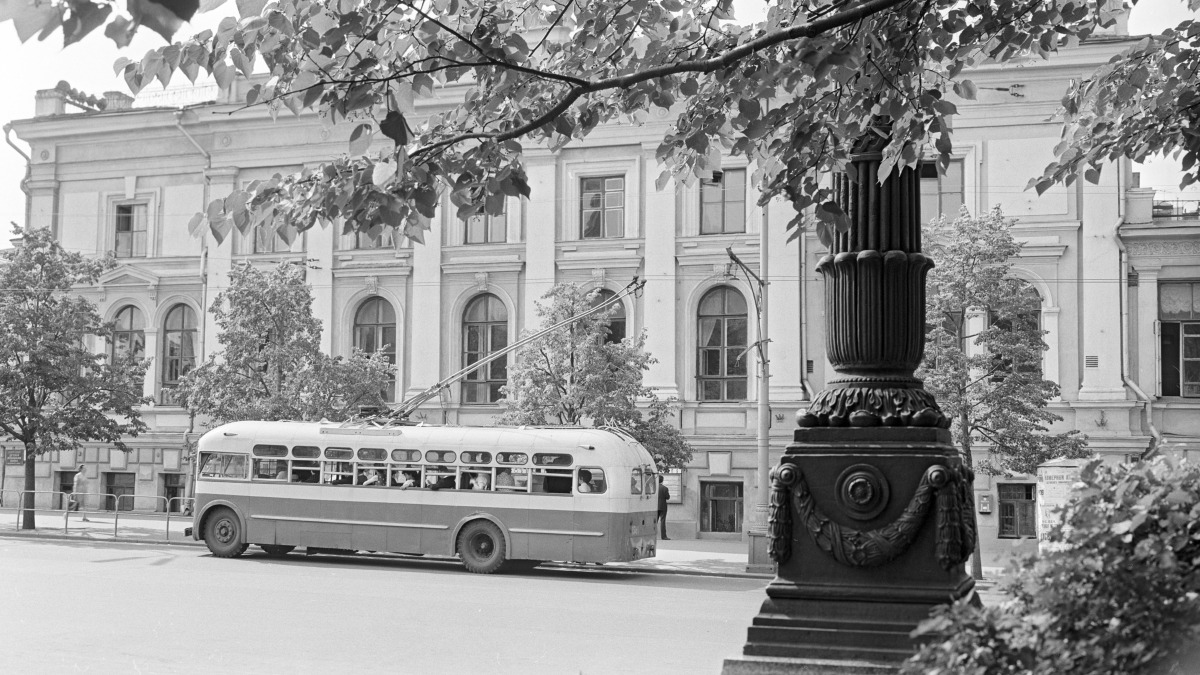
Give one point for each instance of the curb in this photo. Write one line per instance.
(607, 567)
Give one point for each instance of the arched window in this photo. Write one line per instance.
(485, 329)
(179, 349)
(375, 331)
(721, 366)
(129, 334)
(616, 320)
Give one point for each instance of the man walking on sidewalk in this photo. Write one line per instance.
(77, 489)
(663, 495)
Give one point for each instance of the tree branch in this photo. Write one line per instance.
(705, 66)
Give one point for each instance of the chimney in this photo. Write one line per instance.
(117, 101)
(49, 102)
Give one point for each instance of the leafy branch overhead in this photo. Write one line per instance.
(792, 93)
(1143, 102)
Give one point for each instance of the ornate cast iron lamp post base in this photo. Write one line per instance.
(871, 506)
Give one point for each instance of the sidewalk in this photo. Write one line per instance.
(699, 557)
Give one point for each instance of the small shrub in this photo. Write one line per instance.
(1119, 596)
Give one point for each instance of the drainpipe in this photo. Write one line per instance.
(1123, 271)
(1147, 402)
(28, 170)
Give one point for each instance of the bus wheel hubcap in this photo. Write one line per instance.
(483, 546)
(224, 531)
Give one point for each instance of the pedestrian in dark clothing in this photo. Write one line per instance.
(663, 495)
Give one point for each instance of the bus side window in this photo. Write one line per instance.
(553, 481)
(306, 471)
(270, 469)
(593, 478)
(222, 465)
(635, 482)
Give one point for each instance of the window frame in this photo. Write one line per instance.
(185, 363)
(603, 208)
(378, 333)
(482, 378)
(1021, 510)
(130, 333)
(724, 348)
(722, 204)
(133, 239)
(618, 317)
(1175, 333)
(941, 192)
(494, 228)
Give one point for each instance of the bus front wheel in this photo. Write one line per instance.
(223, 534)
(481, 547)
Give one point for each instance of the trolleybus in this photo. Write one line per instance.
(487, 495)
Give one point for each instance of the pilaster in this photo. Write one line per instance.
(1146, 322)
(540, 228)
(424, 345)
(659, 302)
(218, 260)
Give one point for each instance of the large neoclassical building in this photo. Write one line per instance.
(1119, 280)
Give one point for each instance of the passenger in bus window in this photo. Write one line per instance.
(481, 481)
(585, 480)
(403, 480)
(444, 482)
(369, 477)
(504, 478)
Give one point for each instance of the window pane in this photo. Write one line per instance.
(614, 200)
(591, 224)
(710, 219)
(733, 364)
(735, 217)
(475, 230)
(593, 200)
(735, 390)
(473, 346)
(593, 183)
(710, 390)
(1169, 355)
(735, 331)
(710, 334)
(710, 193)
(497, 228)
(1175, 301)
(710, 362)
(713, 303)
(614, 183)
(1191, 344)
(614, 223)
(499, 334)
(734, 302)
(735, 186)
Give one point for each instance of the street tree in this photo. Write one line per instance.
(56, 393)
(1144, 102)
(270, 365)
(579, 375)
(792, 93)
(987, 373)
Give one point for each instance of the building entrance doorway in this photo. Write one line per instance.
(116, 485)
(721, 507)
(173, 491)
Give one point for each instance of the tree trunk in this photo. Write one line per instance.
(976, 561)
(27, 501)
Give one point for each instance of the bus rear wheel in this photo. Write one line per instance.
(276, 550)
(223, 534)
(481, 547)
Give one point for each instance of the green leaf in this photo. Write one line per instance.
(360, 139)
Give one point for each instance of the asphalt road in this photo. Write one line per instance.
(76, 607)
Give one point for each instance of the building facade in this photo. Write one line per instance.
(1115, 282)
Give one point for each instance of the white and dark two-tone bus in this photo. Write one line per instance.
(487, 495)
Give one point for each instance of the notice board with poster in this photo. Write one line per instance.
(674, 482)
(13, 456)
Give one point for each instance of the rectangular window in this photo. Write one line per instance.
(941, 194)
(1179, 338)
(720, 507)
(222, 465)
(384, 239)
(131, 230)
(602, 207)
(266, 240)
(485, 228)
(1018, 510)
(723, 203)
